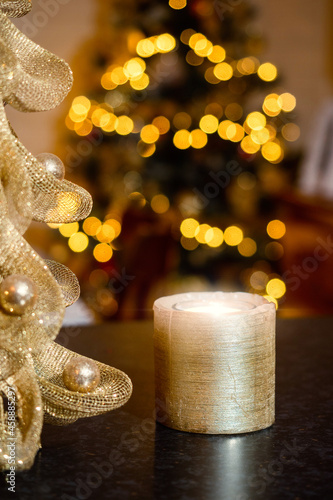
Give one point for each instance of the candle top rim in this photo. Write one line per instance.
(213, 306)
(255, 301)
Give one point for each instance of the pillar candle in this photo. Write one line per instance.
(214, 362)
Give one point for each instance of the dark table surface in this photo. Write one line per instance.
(125, 455)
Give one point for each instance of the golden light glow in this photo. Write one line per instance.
(100, 117)
(233, 235)
(203, 48)
(118, 76)
(81, 105)
(276, 288)
(193, 59)
(115, 224)
(209, 124)
(217, 54)
(195, 39)
(160, 203)
(291, 132)
(146, 48)
(234, 111)
(182, 120)
(109, 122)
(186, 35)
(247, 247)
(165, 43)
(162, 124)
(102, 252)
(248, 65)
(91, 226)
(223, 71)
(140, 83)
(124, 125)
(267, 72)
(78, 242)
(134, 67)
(258, 280)
(271, 105)
(276, 229)
(272, 152)
(145, 150)
(287, 102)
(271, 299)
(189, 243)
(199, 139)
(182, 139)
(75, 117)
(248, 146)
(214, 237)
(188, 227)
(200, 233)
(105, 233)
(235, 132)
(223, 127)
(149, 134)
(68, 229)
(215, 109)
(106, 81)
(256, 120)
(83, 128)
(177, 4)
(260, 136)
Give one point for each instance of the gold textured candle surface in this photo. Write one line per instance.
(214, 362)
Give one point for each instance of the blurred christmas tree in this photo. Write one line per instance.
(182, 144)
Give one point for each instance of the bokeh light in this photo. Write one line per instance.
(267, 72)
(182, 139)
(209, 124)
(223, 71)
(233, 235)
(214, 237)
(200, 232)
(149, 134)
(68, 229)
(102, 252)
(247, 247)
(276, 288)
(78, 242)
(188, 227)
(160, 203)
(199, 139)
(276, 229)
(91, 226)
(162, 124)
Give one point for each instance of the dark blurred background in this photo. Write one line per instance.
(203, 131)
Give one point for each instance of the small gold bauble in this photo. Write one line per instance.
(52, 164)
(81, 375)
(18, 294)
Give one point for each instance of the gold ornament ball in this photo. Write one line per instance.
(18, 294)
(52, 164)
(81, 375)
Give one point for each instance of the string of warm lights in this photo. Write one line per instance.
(257, 132)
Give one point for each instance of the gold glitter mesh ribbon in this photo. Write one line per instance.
(31, 364)
(215, 372)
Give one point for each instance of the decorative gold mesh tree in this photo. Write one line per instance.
(38, 378)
